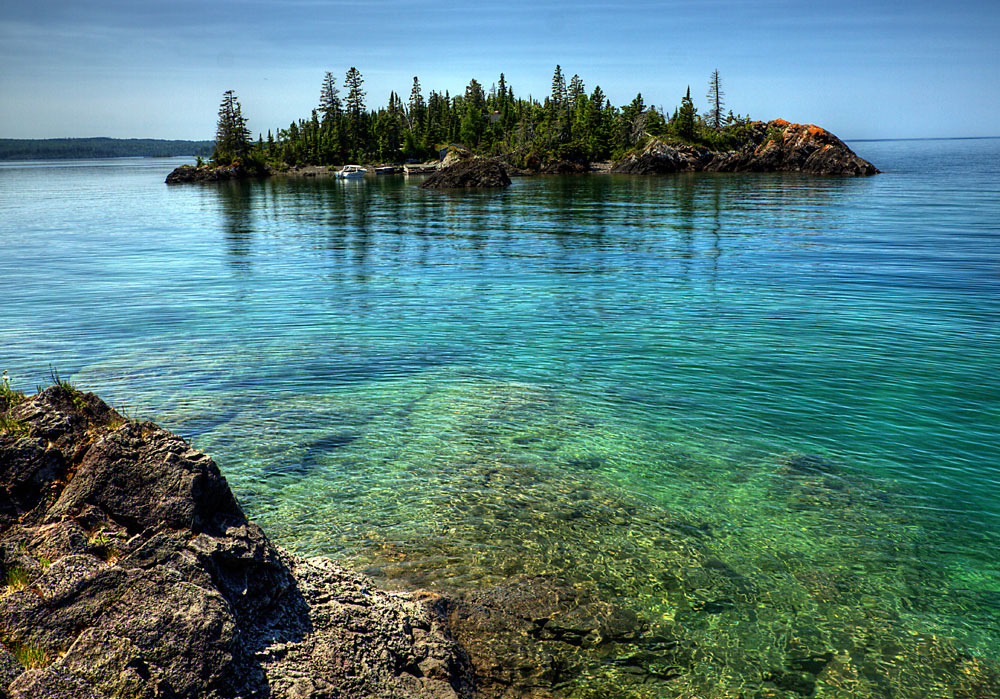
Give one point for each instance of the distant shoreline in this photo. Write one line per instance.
(12, 149)
(923, 138)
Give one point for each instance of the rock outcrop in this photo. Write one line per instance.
(469, 173)
(563, 167)
(774, 146)
(130, 570)
(189, 173)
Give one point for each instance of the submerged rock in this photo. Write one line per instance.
(465, 174)
(131, 570)
(563, 167)
(774, 146)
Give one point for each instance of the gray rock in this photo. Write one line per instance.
(469, 173)
(145, 579)
(774, 146)
(186, 174)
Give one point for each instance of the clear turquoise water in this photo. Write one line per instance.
(607, 381)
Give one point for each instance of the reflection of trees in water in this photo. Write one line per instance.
(585, 223)
(236, 201)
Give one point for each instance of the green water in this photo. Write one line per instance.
(756, 415)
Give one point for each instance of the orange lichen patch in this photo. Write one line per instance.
(815, 130)
(780, 122)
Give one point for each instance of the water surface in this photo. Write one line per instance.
(760, 411)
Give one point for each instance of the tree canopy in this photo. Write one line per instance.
(569, 124)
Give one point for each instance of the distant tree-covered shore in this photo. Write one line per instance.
(70, 148)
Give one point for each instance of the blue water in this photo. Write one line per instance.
(566, 379)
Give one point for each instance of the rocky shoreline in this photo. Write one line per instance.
(130, 570)
(773, 146)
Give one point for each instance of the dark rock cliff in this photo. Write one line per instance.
(131, 571)
(774, 146)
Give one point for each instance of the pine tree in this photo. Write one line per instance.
(355, 95)
(417, 107)
(558, 98)
(232, 137)
(357, 122)
(714, 118)
(329, 100)
(502, 92)
(474, 94)
(684, 119)
(576, 90)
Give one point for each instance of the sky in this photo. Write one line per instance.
(157, 69)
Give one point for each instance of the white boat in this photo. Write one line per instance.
(350, 171)
(424, 169)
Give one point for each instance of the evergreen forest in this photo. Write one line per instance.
(573, 123)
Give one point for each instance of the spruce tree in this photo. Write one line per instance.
(353, 83)
(357, 130)
(417, 108)
(714, 118)
(684, 119)
(232, 137)
(558, 98)
(329, 100)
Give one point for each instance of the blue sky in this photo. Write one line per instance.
(155, 69)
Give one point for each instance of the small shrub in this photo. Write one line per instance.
(774, 134)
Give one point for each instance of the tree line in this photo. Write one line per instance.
(571, 123)
(69, 148)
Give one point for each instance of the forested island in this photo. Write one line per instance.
(566, 132)
(72, 148)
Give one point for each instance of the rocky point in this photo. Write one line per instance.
(773, 146)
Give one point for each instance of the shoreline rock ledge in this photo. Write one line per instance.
(130, 570)
(773, 146)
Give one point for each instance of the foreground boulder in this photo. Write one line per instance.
(468, 173)
(774, 146)
(130, 570)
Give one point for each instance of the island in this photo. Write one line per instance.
(571, 131)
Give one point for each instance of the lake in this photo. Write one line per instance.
(758, 413)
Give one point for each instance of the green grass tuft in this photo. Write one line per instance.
(8, 396)
(15, 428)
(60, 381)
(43, 560)
(65, 384)
(32, 656)
(15, 578)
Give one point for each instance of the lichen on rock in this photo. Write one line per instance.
(774, 146)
